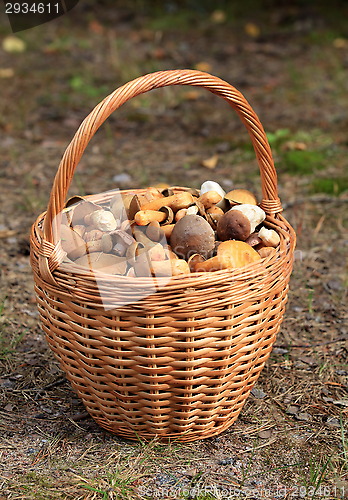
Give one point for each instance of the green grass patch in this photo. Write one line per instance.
(330, 185)
(302, 162)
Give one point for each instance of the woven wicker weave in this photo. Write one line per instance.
(179, 363)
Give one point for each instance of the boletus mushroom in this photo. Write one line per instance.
(230, 254)
(239, 222)
(106, 263)
(192, 234)
(241, 196)
(269, 237)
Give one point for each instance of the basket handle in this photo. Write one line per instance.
(51, 254)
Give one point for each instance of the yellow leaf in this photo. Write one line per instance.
(203, 66)
(340, 43)
(13, 44)
(191, 95)
(252, 30)
(211, 162)
(218, 16)
(6, 72)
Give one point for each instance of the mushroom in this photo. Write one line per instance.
(266, 252)
(214, 214)
(253, 240)
(119, 205)
(175, 202)
(210, 198)
(72, 243)
(170, 267)
(239, 222)
(103, 262)
(80, 229)
(81, 210)
(144, 217)
(101, 219)
(212, 186)
(192, 210)
(150, 194)
(230, 254)
(269, 237)
(192, 234)
(92, 235)
(156, 253)
(241, 196)
(116, 242)
(154, 231)
(195, 259)
(167, 230)
(134, 207)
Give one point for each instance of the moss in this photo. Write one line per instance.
(302, 162)
(330, 185)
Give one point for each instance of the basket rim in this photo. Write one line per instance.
(280, 224)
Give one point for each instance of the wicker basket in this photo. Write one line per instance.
(181, 362)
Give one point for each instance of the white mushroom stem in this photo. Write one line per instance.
(269, 237)
(253, 213)
(102, 220)
(212, 186)
(210, 198)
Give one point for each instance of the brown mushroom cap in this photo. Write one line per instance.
(241, 196)
(103, 262)
(192, 234)
(233, 225)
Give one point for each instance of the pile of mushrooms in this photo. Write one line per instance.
(168, 232)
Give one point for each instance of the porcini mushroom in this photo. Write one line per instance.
(175, 202)
(170, 267)
(154, 231)
(239, 222)
(210, 198)
(212, 186)
(72, 243)
(192, 234)
(269, 237)
(241, 196)
(266, 252)
(103, 262)
(101, 219)
(253, 240)
(82, 210)
(144, 217)
(230, 254)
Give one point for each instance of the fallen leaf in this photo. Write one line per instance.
(203, 66)
(159, 53)
(6, 72)
(96, 27)
(294, 146)
(265, 434)
(13, 44)
(191, 95)
(340, 43)
(6, 233)
(218, 16)
(211, 162)
(252, 30)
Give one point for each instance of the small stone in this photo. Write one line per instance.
(258, 393)
(333, 422)
(280, 350)
(227, 461)
(122, 179)
(265, 434)
(303, 416)
(292, 410)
